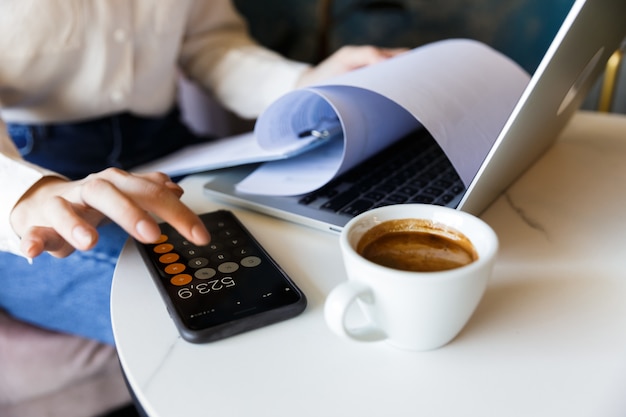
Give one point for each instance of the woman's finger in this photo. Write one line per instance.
(75, 227)
(38, 240)
(127, 199)
(58, 216)
(347, 58)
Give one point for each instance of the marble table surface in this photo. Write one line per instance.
(548, 338)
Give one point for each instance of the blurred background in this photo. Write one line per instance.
(309, 30)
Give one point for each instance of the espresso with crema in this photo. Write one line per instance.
(416, 245)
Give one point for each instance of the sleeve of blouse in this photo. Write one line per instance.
(16, 177)
(218, 53)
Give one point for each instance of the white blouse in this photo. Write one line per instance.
(65, 60)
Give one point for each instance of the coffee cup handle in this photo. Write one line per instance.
(339, 301)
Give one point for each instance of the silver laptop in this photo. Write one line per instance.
(591, 32)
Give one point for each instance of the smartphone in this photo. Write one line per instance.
(227, 287)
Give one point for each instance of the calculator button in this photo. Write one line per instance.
(181, 279)
(244, 251)
(164, 248)
(228, 267)
(219, 257)
(215, 246)
(161, 239)
(192, 252)
(168, 258)
(198, 262)
(205, 273)
(176, 268)
(250, 261)
(227, 233)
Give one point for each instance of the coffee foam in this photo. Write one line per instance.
(416, 245)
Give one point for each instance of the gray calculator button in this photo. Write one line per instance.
(215, 246)
(250, 261)
(228, 267)
(198, 262)
(205, 273)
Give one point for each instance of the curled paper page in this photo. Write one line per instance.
(461, 91)
(365, 132)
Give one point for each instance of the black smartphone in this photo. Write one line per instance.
(230, 286)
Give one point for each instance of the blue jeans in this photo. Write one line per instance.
(72, 294)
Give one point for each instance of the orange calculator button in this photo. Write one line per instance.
(162, 239)
(174, 269)
(168, 258)
(181, 279)
(164, 248)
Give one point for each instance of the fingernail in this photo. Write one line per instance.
(28, 249)
(147, 231)
(82, 235)
(172, 184)
(174, 187)
(200, 235)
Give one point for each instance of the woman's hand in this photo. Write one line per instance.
(346, 59)
(59, 216)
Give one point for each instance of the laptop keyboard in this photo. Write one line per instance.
(413, 170)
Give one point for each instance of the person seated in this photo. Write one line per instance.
(87, 92)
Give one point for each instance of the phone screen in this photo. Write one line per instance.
(228, 286)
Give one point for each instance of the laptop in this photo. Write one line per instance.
(590, 33)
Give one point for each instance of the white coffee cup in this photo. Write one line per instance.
(411, 310)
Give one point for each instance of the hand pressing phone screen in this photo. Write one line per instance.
(228, 287)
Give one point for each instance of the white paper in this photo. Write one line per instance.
(227, 152)
(206, 156)
(461, 91)
(362, 133)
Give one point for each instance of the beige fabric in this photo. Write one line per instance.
(43, 373)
